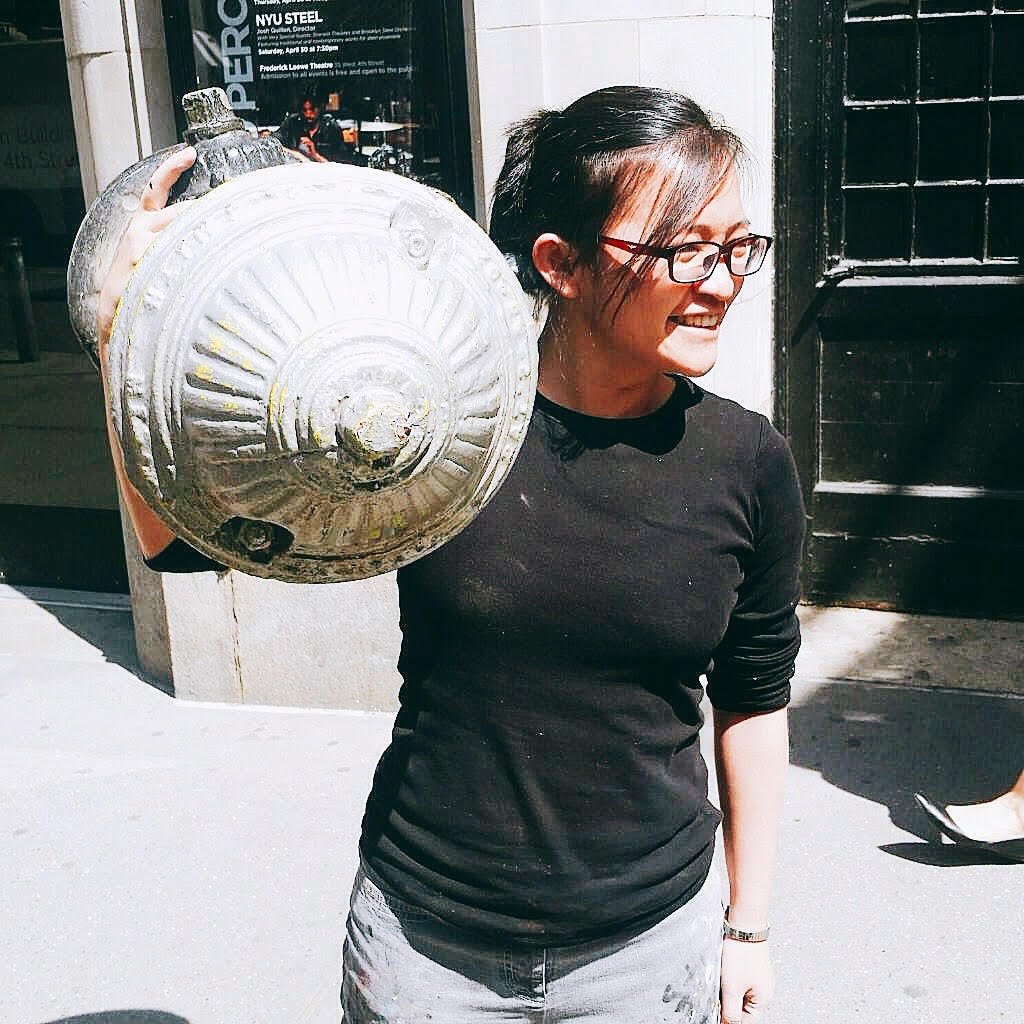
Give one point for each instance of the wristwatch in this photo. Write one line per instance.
(729, 932)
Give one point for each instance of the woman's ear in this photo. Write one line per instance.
(555, 261)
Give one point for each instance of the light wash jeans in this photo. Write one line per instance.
(402, 965)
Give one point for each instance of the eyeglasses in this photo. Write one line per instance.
(696, 261)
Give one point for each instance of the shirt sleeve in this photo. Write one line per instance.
(181, 557)
(756, 659)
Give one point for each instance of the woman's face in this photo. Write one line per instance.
(663, 327)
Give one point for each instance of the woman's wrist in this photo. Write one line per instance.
(746, 927)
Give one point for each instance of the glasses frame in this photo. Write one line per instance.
(724, 253)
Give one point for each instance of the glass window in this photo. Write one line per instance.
(1007, 156)
(957, 112)
(880, 60)
(40, 187)
(365, 83)
(877, 224)
(1007, 47)
(954, 57)
(949, 222)
(1006, 221)
(952, 142)
(879, 144)
(58, 520)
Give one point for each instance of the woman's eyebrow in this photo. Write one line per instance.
(703, 230)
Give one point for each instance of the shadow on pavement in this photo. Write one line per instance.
(109, 631)
(884, 743)
(103, 621)
(941, 856)
(123, 1017)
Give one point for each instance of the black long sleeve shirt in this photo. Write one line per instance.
(544, 779)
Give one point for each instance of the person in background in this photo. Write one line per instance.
(314, 134)
(538, 841)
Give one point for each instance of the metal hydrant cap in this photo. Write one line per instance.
(320, 372)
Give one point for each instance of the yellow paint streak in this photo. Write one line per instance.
(275, 400)
(203, 372)
(374, 534)
(216, 344)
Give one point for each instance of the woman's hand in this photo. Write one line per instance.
(152, 216)
(751, 753)
(747, 981)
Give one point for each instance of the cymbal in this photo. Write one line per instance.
(380, 126)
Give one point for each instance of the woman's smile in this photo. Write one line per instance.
(697, 321)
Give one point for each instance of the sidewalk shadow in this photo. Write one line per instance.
(123, 1017)
(106, 626)
(110, 631)
(884, 743)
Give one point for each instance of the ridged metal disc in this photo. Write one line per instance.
(321, 372)
(217, 159)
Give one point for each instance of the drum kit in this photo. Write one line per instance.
(385, 156)
(317, 372)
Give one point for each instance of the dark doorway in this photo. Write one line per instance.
(59, 524)
(900, 185)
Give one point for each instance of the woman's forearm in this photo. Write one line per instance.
(152, 216)
(751, 753)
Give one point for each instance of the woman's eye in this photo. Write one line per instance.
(692, 253)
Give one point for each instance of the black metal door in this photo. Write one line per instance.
(900, 185)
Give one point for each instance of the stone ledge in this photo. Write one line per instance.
(932, 651)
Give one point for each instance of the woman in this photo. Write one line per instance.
(538, 842)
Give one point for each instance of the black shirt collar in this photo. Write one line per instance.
(570, 432)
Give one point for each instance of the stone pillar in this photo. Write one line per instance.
(120, 88)
(208, 636)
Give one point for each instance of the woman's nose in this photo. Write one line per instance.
(722, 282)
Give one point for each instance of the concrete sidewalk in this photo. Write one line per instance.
(174, 863)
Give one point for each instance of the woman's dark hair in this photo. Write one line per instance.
(570, 171)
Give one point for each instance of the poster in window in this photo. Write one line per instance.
(335, 80)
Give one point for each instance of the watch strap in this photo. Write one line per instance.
(741, 934)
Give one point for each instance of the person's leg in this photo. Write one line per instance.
(402, 965)
(669, 973)
(995, 820)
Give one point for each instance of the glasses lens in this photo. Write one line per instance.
(694, 261)
(747, 254)
(697, 260)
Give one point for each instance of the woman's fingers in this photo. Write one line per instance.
(154, 196)
(153, 216)
(159, 220)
